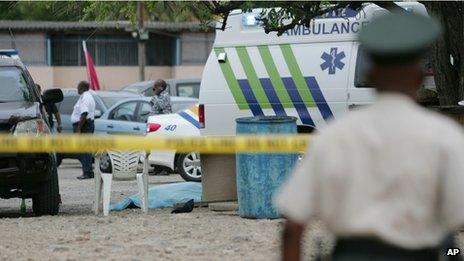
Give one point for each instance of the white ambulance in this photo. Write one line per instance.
(314, 73)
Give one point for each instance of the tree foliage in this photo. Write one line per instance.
(45, 11)
(277, 16)
(448, 52)
(91, 11)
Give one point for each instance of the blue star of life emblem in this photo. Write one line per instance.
(333, 60)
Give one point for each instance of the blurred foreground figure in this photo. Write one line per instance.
(387, 180)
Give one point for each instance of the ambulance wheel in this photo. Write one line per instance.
(189, 166)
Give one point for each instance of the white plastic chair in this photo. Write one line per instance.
(124, 166)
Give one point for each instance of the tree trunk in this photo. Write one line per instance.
(141, 43)
(449, 76)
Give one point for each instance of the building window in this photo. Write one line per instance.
(161, 50)
(112, 50)
(362, 68)
(66, 50)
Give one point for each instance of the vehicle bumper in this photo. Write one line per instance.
(24, 172)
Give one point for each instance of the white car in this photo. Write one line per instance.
(182, 123)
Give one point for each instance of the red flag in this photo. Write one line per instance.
(91, 73)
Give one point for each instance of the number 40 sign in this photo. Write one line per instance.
(171, 127)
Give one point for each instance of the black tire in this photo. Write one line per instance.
(59, 159)
(189, 175)
(47, 200)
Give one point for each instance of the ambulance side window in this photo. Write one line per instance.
(362, 68)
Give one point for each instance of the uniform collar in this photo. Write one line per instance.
(89, 91)
(394, 99)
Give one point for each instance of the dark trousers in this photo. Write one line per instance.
(86, 158)
(372, 249)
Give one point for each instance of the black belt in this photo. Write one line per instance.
(375, 248)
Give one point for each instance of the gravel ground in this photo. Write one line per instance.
(129, 235)
(78, 234)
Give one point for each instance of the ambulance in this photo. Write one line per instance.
(315, 73)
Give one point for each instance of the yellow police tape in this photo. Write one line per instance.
(96, 143)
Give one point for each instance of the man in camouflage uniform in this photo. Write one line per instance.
(161, 102)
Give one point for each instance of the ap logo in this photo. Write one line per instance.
(333, 60)
(453, 251)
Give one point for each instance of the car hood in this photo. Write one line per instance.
(12, 112)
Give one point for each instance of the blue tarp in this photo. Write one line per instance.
(163, 196)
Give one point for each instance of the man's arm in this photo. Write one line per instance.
(291, 238)
(84, 109)
(299, 198)
(81, 122)
(59, 128)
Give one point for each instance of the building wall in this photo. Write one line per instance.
(110, 77)
(194, 49)
(43, 75)
(32, 46)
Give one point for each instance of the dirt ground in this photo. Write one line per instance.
(78, 234)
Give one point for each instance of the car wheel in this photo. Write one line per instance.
(47, 200)
(105, 163)
(189, 166)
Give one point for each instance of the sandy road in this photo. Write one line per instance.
(77, 234)
(129, 235)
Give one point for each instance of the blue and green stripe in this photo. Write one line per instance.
(297, 75)
(252, 77)
(275, 92)
(324, 108)
(232, 82)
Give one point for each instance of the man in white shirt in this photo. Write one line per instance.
(387, 179)
(82, 118)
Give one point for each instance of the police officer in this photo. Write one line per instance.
(161, 102)
(82, 118)
(387, 179)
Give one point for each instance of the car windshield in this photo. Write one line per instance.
(110, 101)
(67, 105)
(136, 87)
(13, 85)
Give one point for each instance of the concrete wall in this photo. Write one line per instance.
(196, 47)
(111, 77)
(32, 46)
(194, 50)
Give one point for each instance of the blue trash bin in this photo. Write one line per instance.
(260, 175)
